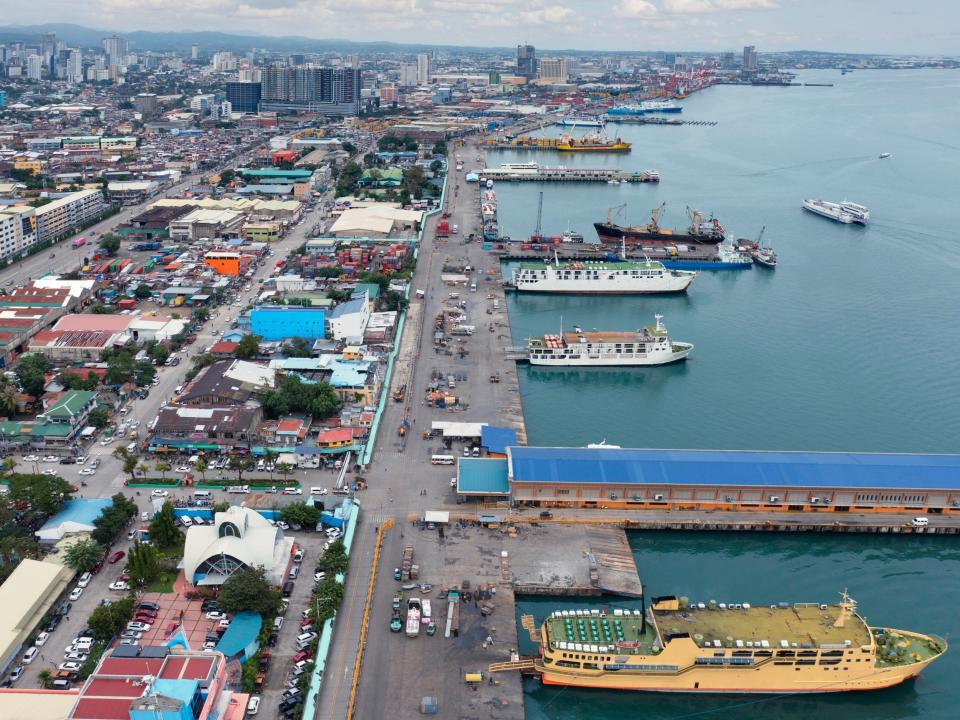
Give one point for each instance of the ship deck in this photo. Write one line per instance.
(625, 631)
(806, 625)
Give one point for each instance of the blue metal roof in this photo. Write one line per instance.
(81, 510)
(482, 476)
(497, 439)
(734, 467)
(242, 632)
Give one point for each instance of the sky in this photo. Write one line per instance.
(867, 26)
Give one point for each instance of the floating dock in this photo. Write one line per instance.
(534, 173)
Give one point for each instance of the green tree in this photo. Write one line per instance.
(73, 381)
(163, 528)
(202, 361)
(201, 467)
(240, 465)
(31, 372)
(159, 353)
(248, 590)
(45, 678)
(201, 314)
(128, 459)
(221, 506)
(113, 519)
(8, 396)
(108, 620)
(440, 147)
(329, 594)
(285, 469)
(43, 493)
(435, 166)
(270, 460)
(163, 467)
(348, 178)
(110, 243)
(298, 347)
(142, 291)
(8, 465)
(143, 563)
(248, 347)
(83, 555)
(300, 513)
(99, 417)
(334, 559)
(292, 395)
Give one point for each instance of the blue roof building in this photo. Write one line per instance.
(286, 322)
(76, 516)
(495, 440)
(239, 642)
(620, 477)
(482, 476)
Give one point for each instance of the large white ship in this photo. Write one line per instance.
(611, 278)
(843, 212)
(648, 346)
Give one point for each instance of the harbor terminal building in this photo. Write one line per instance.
(613, 477)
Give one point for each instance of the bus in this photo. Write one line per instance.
(442, 460)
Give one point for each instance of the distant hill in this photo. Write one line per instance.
(77, 35)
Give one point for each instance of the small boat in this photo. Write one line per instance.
(885, 155)
(765, 256)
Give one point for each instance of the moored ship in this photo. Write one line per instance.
(649, 346)
(676, 646)
(700, 231)
(606, 278)
(660, 106)
(592, 142)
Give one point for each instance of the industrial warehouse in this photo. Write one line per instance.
(611, 477)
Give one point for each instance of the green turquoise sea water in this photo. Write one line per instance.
(849, 344)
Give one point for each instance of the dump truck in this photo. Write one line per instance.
(399, 393)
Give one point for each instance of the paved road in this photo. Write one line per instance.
(401, 471)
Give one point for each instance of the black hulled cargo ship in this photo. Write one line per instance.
(700, 231)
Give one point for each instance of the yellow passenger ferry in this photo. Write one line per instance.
(678, 646)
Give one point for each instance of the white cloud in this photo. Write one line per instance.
(547, 16)
(696, 7)
(634, 9)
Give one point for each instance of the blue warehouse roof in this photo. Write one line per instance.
(729, 467)
(497, 439)
(482, 476)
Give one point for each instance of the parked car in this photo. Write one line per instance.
(216, 615)
(131, 635)
(253, 706)
(84, 580)
(139, 626)
(149, 605)
(76, 593)
(41, 639)
(157, 492)
(50, 458)
(16, 673)
(117, 557)
(76, 656)
(73, 666)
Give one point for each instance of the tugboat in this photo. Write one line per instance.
(761, 255)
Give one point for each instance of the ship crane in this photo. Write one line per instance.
(610, 213)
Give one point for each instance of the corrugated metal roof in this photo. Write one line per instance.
(733, 467)
(482, 476)
(497, 439)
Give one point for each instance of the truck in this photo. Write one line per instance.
(413, 617)
(399, 393)
(407, 563)
(145, 246)
(443, 228)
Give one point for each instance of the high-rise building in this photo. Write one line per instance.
(553, 70)
(727, 60)
(146, 104)
(749, 58)
(223, 62)
(115, 48)
(526, 61)
(408, 74)
(334, 91)
(34, 68)
(354, 61)
(249, 75)
(74, 67)
(194, 52)
(388, 94)
(244, 96)
(423, 69)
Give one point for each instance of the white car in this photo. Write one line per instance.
(31, 458)
(282, 525)
(87, 471)
(318, 491)
(84, 580)
(41, 639)
(69, 666)
(216, 615)
(138, 626)
(106, 441)
(119, 585)
(77, 592)
(131, 635)
(144, 516)
(50, 471)
(292, 491)
(76, 656)
(158, 493)
(253, 706)
(81, 459)
(129, 641)
(51, 458)
(182, 469)
(224, 624)
(319, 576)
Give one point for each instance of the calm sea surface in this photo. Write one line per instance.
(850, 344)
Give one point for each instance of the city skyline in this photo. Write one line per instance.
(709, 25)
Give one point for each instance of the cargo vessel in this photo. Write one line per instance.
(700, 231)
(580, 122)
(660, 106)
(725, 258)
(604, 278)
(676, 646)
(592, 142)
(488, 214)
(650, 345)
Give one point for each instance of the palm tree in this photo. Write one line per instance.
(270, 457)
(201, 467)
(46, 678)
(9, 465)
(144, 468)
(284, 469)
(163, 467)
(8, 396)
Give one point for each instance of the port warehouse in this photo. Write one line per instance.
(715, 480)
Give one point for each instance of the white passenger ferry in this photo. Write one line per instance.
(611, 278)
(843, 212)
(649, 346)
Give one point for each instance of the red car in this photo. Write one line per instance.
(116, 557)
(302, 655)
